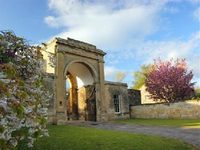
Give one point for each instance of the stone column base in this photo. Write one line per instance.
(61, 118)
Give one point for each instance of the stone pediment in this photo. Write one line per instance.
(79, 45)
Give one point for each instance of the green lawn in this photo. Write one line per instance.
(82, 138)
(192, 123)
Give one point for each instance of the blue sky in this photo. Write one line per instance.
(132, 32)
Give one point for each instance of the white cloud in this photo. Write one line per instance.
(197, 14)
(50, 20)
(104, 22)
(194, 64)
(147, 51)
(172, 48)
(110, 71)
(120, 27)
(194, 1)
(188, 49)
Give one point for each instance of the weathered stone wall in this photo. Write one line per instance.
(134, 97)
(182, 110)
(49, 82)
(115, 88)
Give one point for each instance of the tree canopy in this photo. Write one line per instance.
(139, 76)
(119, 76)
(170, 81)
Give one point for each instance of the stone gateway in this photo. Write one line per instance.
(77, 81)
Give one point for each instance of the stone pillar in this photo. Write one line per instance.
(101, 104)
(60, 90)
(98, 102)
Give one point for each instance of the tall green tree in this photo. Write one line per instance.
(139, 76)
(197, 92)
(119, 76)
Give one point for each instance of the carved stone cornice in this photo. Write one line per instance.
(80, 45)
(116, 83)
(76, 52)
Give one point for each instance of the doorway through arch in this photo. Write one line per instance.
(80, 92)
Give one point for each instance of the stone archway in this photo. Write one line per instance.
(67, 53)
(81, 93)
(91, 100)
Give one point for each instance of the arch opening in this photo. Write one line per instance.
(80, 92)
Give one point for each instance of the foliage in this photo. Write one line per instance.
(197, 90)
(23, 98)
(82, 138)
(196, 93)
(139, 76)
(119, 76)
(170, 81)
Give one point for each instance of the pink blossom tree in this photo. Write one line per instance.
(170, 81)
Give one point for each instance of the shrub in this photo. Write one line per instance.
(23, 98)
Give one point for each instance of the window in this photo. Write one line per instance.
(116, 103)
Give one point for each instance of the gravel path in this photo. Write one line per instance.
(189, 135)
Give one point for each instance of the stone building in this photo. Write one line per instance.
(145, 96)
(78, 84)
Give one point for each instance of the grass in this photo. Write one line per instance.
(191, 123)
(82, 138)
